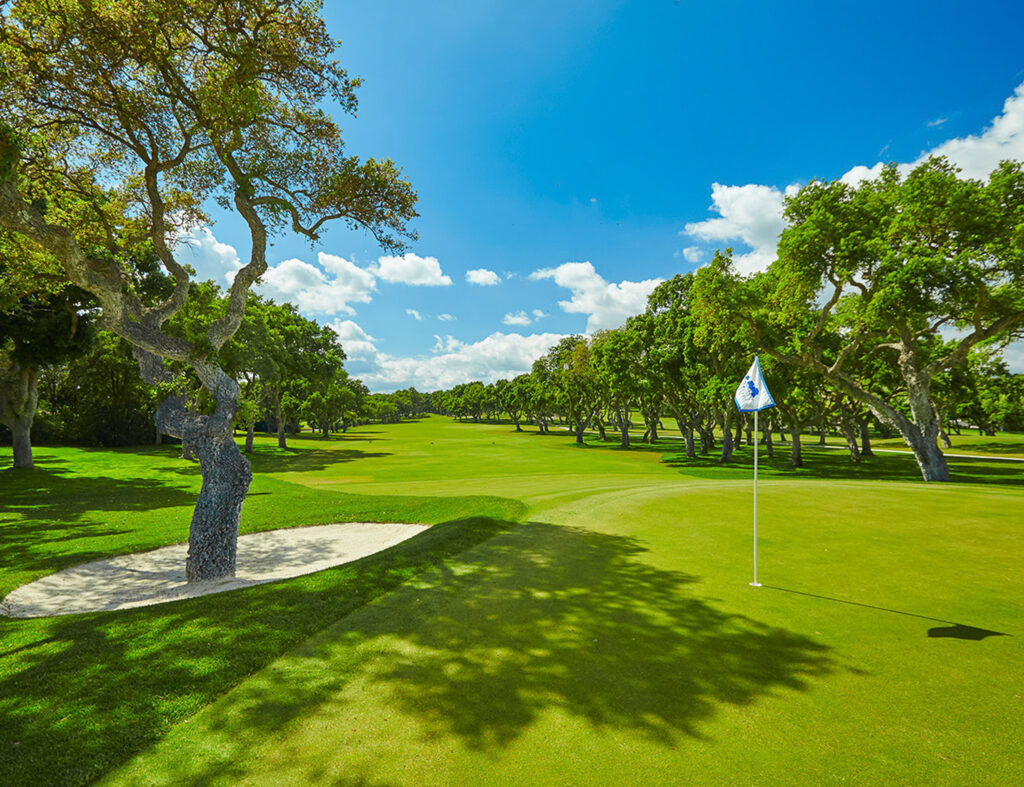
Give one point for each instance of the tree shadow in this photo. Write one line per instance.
(833, 464)
(542, 618)
(279, 460)
(80, 694)
(52, 496)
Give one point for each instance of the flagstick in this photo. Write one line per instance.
(755, 583)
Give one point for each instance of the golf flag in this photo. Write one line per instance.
(752, 395)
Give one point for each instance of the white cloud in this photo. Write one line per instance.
(212, 259)
(538, 314)
(445, 317)
(1014, 355)
(356, 342)
(693, 254)
(411, 269)
(978, 155)
(937, 122)
(607, 305)
(753, 213)
(414, 314)
(446, 344)
(500, 355)
(518, 318)
(483, 277)
(316, 291)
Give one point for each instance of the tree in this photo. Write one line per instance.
(168, 105)
(39, 328)
(568, 368)
(617, 361)
(888, 263)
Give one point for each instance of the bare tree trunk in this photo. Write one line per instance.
(865, 437)
(624, 429)
(19, 397)
(249, 437)
(768, 446)
(849, 431)
(739, 431)
(282, 441)
(726, 437)
(946, 442)
(213, 534)
(796, 458)
(21, 430)
(821, 431)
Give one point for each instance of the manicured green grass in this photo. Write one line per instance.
(594, 624)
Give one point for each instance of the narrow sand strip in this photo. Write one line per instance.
(158, 576)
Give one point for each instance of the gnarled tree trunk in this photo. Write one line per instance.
(213, 534)
(19, 396)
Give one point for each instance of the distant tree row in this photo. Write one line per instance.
(890, 302)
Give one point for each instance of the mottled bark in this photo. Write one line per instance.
(849, 431)
(726, 455)
(250, 436)
(19, 397)
(796, 458)
(944, 437)
(282, 441)
(213, 533)
(865, 437)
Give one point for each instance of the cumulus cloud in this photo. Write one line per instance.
(693, 254)
(752, 213)
(606, 304)
(445, 317)
(483, 277)
(357, 343)
(325, 290)
(411, 269)
(212, 259)
(516, 318)
(978, 155)
(498, 356)
(538, 314)
(414, 314)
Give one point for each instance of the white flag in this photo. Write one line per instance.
(753, 393)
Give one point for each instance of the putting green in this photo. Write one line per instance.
(612, 635)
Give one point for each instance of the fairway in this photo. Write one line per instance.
(608, 635)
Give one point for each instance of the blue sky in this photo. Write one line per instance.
(575, 153)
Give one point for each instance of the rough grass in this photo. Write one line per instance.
(593, 624)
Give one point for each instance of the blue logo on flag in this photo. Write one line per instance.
(752, 387)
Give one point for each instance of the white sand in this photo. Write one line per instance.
(158, 576)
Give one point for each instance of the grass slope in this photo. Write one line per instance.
(609, 636)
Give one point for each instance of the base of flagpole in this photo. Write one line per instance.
(756, 584)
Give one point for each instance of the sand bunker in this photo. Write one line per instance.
(158, 576)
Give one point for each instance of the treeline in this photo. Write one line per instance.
(889, 304)
(69, 382)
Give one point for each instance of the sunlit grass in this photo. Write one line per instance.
(589, 620)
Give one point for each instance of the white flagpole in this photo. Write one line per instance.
(755, 583)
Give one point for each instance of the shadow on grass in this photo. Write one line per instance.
(541, 618)
(953, 630)
(832, 464)
(43, 495)
(284, 460)
(86, 692)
